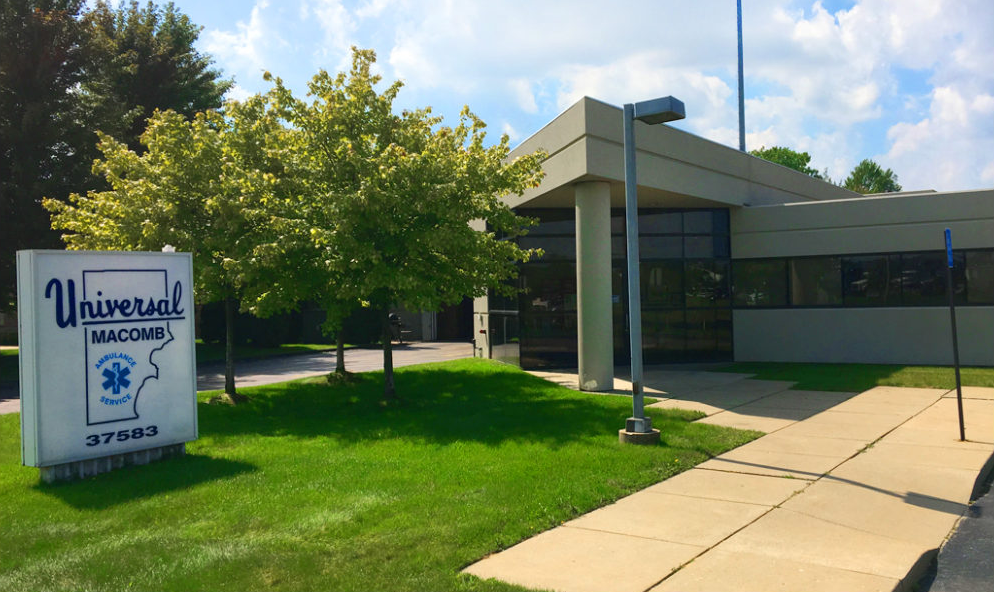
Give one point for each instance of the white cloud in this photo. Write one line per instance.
(953, 148)
(238, 93)
(243, 49)
(512, 134)
(338, 25)
(522, 90)
(886, 79)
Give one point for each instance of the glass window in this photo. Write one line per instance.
(706, 283)
(663, 336)
(923, 279)
(548, 340)
(871, 280)
(557, 221)
(698, 222)
(662, 283)
(548, 287)
(659, 222)
(660, 247)
(698, 246)
(723, 333)
(617, 221)
(701, 334)
(555, 247)
(720, 220)
(722, 246)
(980, 277)
(619, 247)
(816, 281)
(498, 301)
(760, 282)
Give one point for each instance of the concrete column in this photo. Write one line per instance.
(595, 337)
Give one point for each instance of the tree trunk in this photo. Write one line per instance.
(340, 353)
(229, 347)
(389, 393)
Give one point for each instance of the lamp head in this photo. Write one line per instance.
(659, 110)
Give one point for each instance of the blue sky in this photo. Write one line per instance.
(909, 83)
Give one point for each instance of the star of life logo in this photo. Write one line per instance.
(116, 386)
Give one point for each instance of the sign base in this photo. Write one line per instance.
(82, 469)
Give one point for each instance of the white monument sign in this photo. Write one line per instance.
(106, 353)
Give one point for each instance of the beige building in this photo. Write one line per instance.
(741, 259)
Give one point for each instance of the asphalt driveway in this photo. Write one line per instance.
(277, 369)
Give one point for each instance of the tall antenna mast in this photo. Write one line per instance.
(742, 117)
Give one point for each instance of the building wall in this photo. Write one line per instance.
(908, 335)
(864, 335)
(868, 225)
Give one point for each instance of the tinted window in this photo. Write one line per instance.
(663, 335)
(660, 247)
(697, 223)
(760, 282)
(698, 246)
(660, 223)
(555, 247)
(706, 283)
(923, 279)
(720, 219)
(560, 221)
(701, 334)
(662, 283)
(871, 280)
(722, 248)
(816, 281)
(980, 277)
(548, 287)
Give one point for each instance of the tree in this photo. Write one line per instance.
(42, 59)
(869, 177)
(66, 73)
(212, 187)
(391, 197)
(788, 158)
(144, 59)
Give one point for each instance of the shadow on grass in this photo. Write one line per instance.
(440, 404)
(143, 481)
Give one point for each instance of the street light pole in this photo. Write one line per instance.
(638, 422)
(638, 428)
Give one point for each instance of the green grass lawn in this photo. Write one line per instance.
(318, 487)
(206, 352)
(860, 377)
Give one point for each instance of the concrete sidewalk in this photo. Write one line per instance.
(845, 492)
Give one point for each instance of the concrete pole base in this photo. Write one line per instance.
(645, 438)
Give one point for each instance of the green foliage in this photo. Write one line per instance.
(211, 187)
(65, 73)
(42, 59)
(206, 186)
(144, 59)
(387, 200)
(869, 177)
(788, 158)
(318, 487)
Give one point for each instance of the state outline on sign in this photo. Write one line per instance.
(87, 338)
